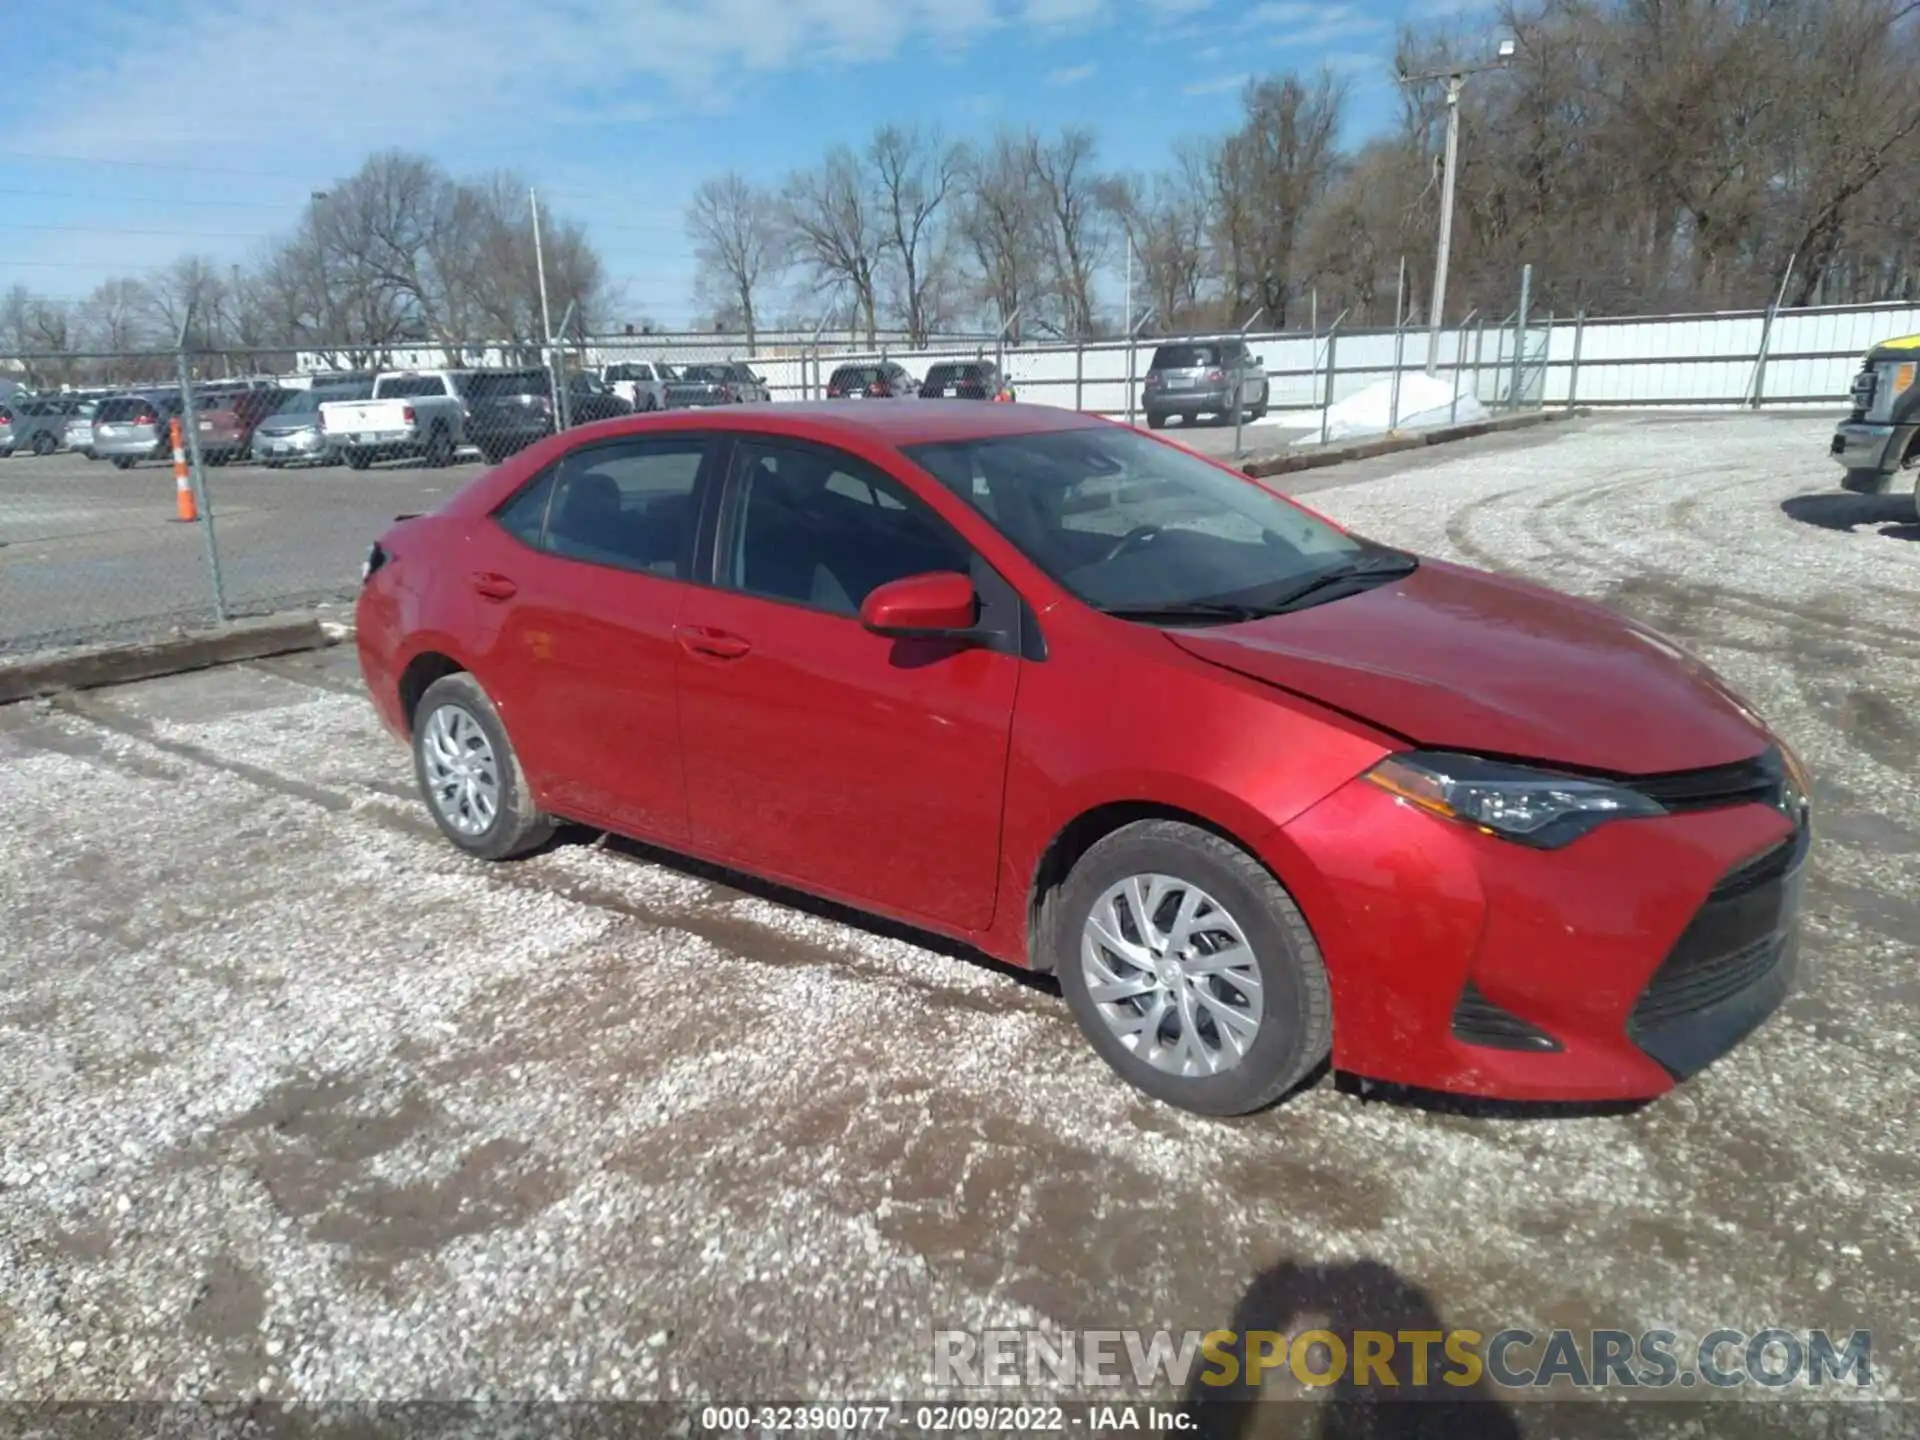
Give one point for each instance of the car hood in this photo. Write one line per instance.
(1457, 659)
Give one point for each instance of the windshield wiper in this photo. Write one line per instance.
(1187, 612)
(1377, 565)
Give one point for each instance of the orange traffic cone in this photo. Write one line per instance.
(184, 506)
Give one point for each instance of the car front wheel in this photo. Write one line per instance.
(1191, 970)
(469, 774)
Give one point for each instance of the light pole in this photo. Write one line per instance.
(1456, 78)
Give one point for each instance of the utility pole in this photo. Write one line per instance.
(540, 266)
(1456, 78)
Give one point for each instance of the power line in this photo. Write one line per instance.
(124, 230)
(152, 165)
(156, 200)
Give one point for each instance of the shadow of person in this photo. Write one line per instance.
(1365, 1296)
(1848, 511)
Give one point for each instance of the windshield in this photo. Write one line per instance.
(706, 374)
(308, 402)
(502, 387)
(1126, 522)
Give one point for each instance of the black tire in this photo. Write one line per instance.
(124, 462)
(359, 459)
(439, 448)
(1296, 1023)
(516, 827)
(44, 444)
(1866, 482)
(1156, 422)
(1266, 400)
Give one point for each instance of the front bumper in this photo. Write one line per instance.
(1861, 445)
(1604, 971)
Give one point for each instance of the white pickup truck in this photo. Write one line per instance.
(641, 383)
(416, 413)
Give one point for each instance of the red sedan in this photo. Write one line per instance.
(1255, 790)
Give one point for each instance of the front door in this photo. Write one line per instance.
(579, 584)
(816, 751)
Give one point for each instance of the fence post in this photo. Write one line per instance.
(1459, 365)
(1079, 373)
(1760, 360)
(1546, 361)
(190, 422)
(1399, 357)
(1479, 353)
(1520, 335)
(1573, 379)
(1333, 369)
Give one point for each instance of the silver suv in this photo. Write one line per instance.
(1192, 378)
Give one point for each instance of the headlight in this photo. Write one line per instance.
(1533, 807)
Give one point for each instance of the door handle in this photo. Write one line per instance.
(704, 640)
(492, 586)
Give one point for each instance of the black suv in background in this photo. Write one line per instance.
(876, 380)
(1204, 377)
(965, 380)
(507, 410)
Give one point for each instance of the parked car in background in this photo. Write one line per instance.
(36, 426)
(726, 382)
(1204, 377)
(1443, 828)
(77, 435)
(134, 427)
(965, 380)
(875, 380)
(1881, 438)
(420, 414)
(291, 435)
(641, 383)
(254, 405)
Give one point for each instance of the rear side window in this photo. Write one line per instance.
(1185, 357)
(404, 386)
(500, 387)
(629, 504)
(123, 411)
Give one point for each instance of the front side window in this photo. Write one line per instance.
(1129, 524)
(629, 504)
(408, 386)
(821, 528)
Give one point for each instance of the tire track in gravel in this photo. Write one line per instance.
(1636, 576)
(740, 937)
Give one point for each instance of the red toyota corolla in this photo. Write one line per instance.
(1254, 789)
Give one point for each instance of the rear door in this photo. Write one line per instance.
(579, 579)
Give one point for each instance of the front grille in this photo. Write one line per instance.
(1759, 781)
(1734, 957)
(1478, 1021)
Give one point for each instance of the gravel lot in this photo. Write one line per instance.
(89, 553)
(301, 1103)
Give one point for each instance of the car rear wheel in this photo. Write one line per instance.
(439, 448)
(124, 462)
(1191, 970)
(44, 444)
(359, 459)
(1866, 482)
(469, 774)
(1156, 422)
(1266, 399)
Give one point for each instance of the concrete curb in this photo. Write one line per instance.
(119, 664)
(1286, 462)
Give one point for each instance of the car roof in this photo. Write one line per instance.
(892, 425)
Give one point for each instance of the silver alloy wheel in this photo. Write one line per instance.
(1172, 975)
(463, 778)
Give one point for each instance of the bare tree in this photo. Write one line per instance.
(1167, 218)
(913, 174)
(738, 245)
(1068, 189)
(1003, 227)
(837, 230)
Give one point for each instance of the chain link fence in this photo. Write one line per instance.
(289, 463)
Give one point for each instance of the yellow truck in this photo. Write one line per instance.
(1879, 442)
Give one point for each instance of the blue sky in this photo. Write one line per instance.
(208, 127)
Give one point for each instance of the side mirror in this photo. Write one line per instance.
(938, 604)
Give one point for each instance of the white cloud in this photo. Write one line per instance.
(1063, 14)
(1071, 74)
(316, 86)
(1217, 85)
